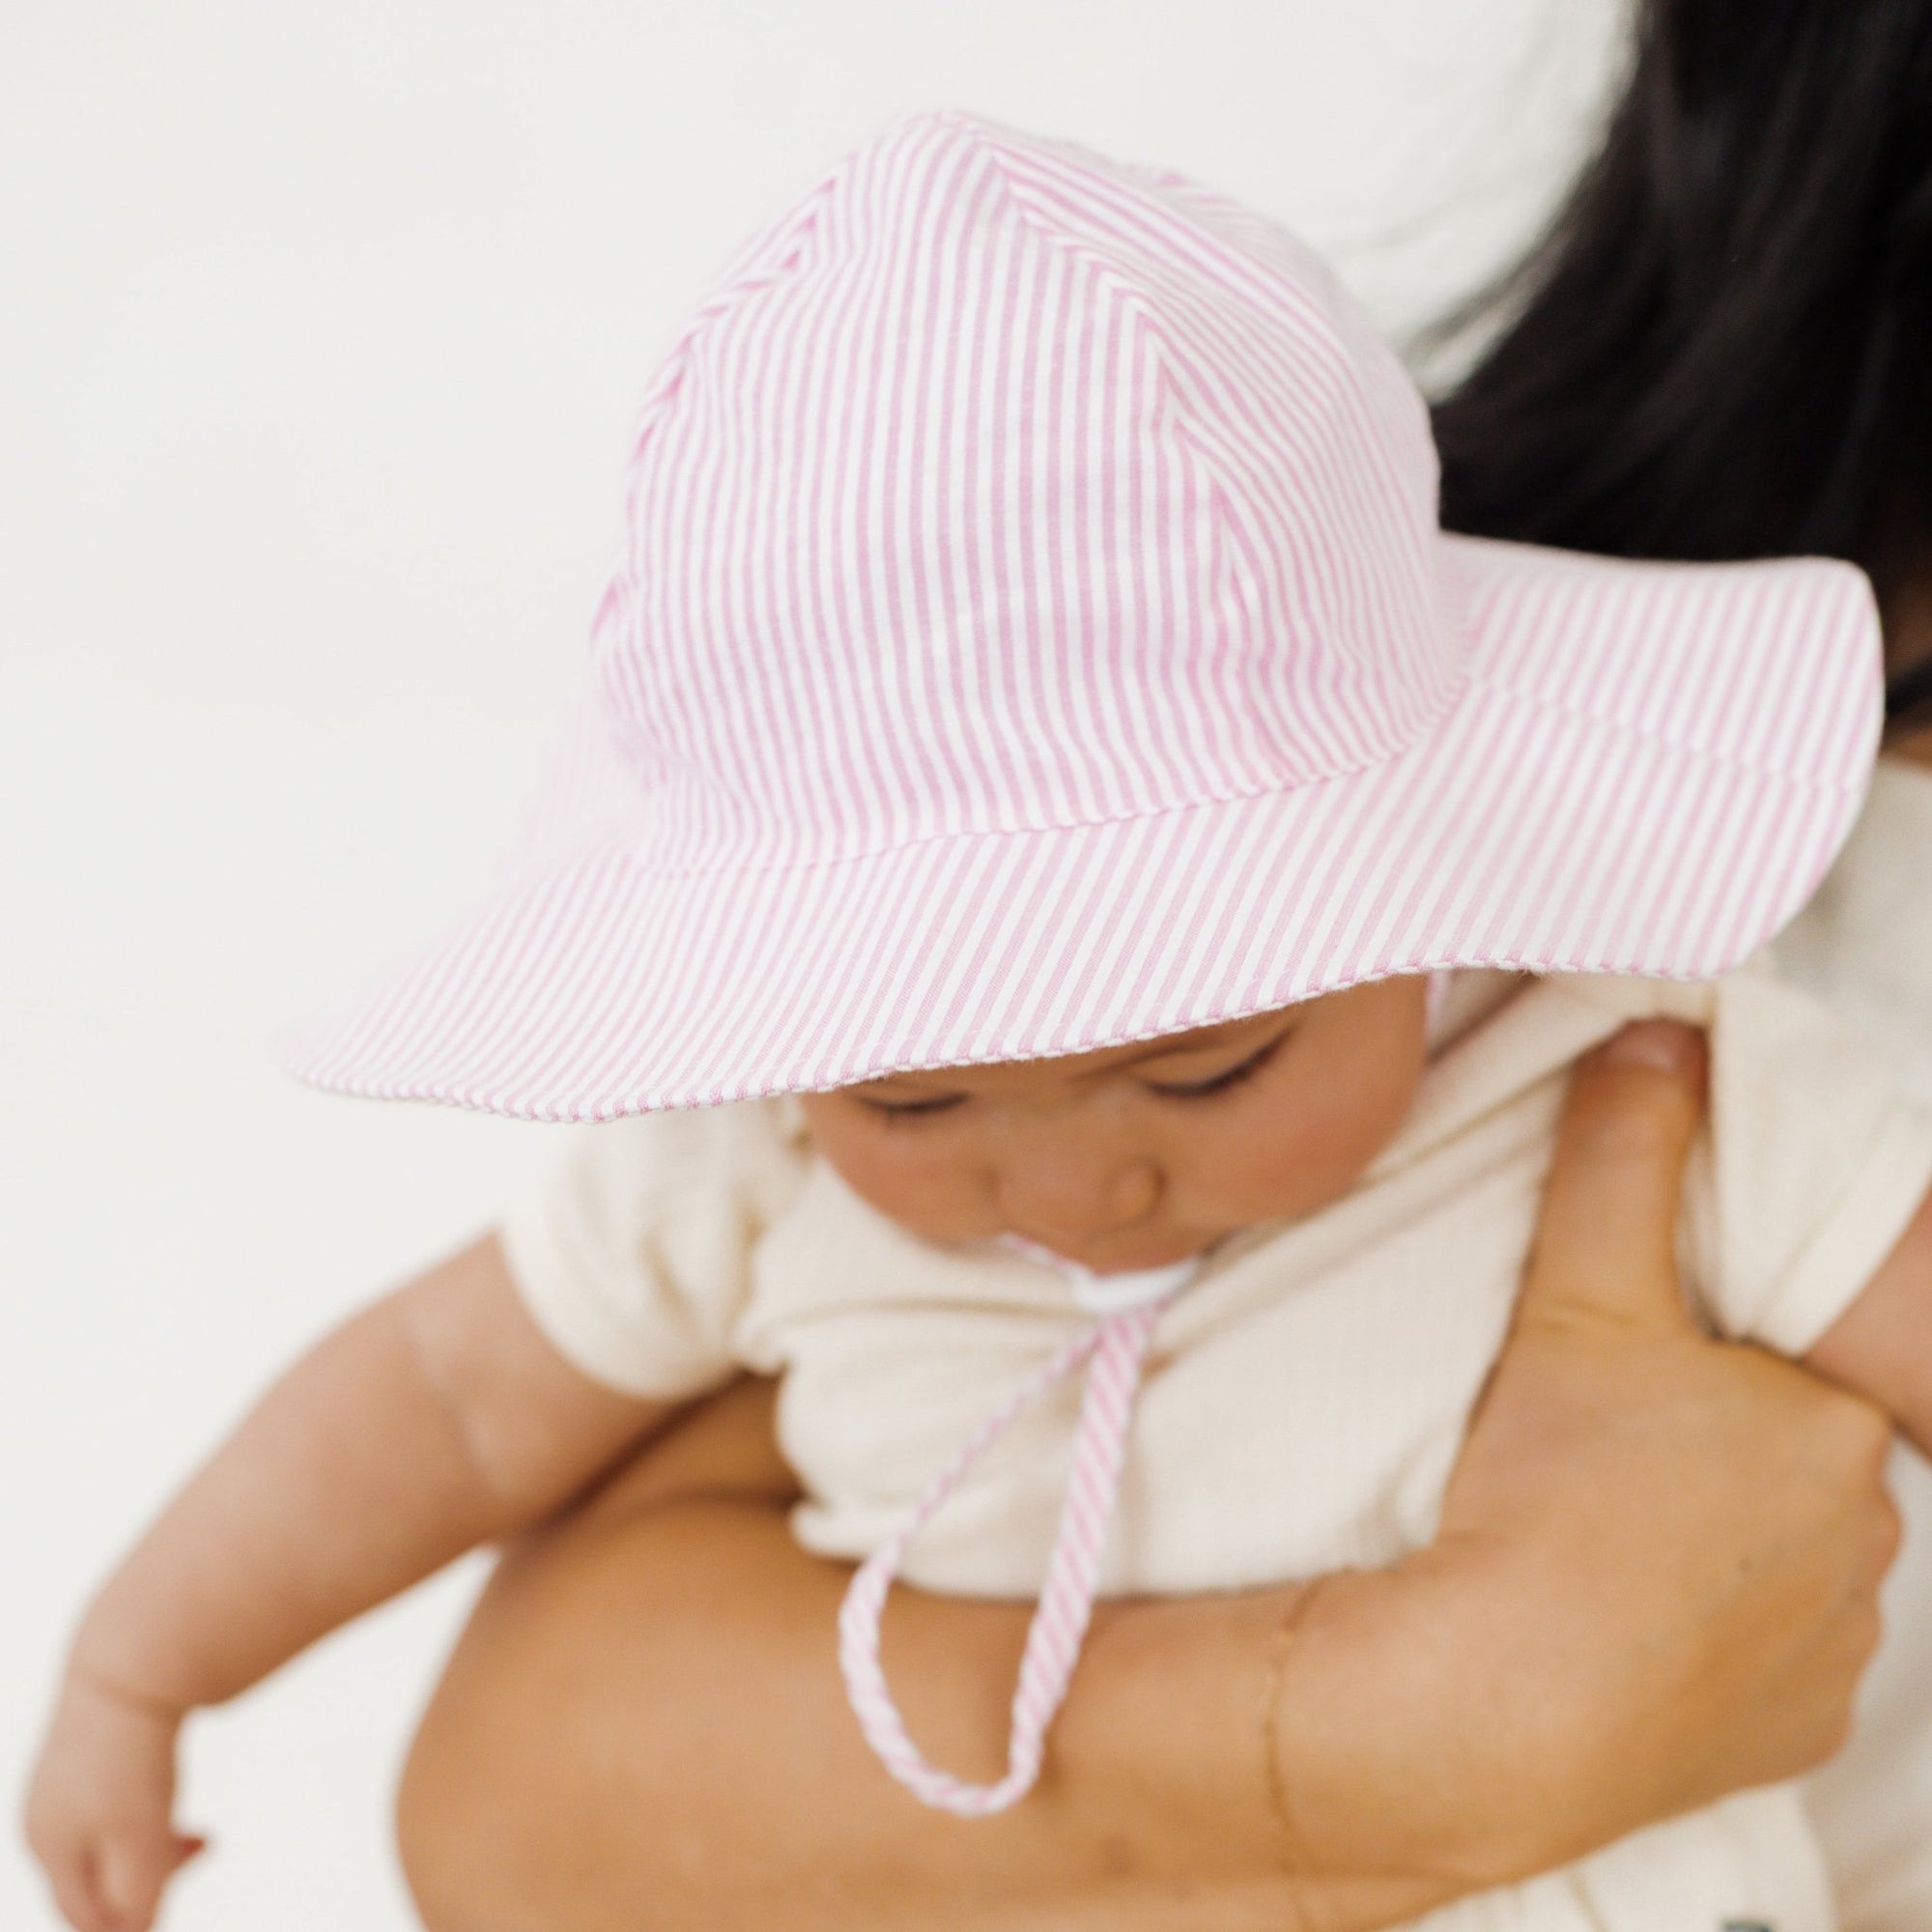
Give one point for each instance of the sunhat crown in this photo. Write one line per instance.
(997, 487)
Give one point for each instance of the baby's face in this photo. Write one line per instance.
(1138, 1156)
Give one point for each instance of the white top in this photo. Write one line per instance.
(1866, 944)
(1305, 1396)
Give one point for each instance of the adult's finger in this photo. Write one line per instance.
(1605, 1241)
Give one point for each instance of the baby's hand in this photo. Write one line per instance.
(100, 1808)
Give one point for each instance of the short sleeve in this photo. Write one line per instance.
(634, 1253)
(1820, 1162)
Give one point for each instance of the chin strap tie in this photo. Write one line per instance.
(1115, 1348)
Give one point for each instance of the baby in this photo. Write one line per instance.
(1057, 862)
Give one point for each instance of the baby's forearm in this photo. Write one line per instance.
(344, 1484)
(1882, 1345)
(431, 1422)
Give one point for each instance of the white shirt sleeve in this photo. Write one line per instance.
(634, 1255)
(1820, 1162)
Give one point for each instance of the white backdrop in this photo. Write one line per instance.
(319, 329)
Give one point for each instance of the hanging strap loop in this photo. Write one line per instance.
(1117, 1346)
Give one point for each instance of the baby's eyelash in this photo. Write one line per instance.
(1244, 1069)
(901, 1111)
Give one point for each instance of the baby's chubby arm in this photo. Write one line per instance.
(1882, 1346)
(433, 1420)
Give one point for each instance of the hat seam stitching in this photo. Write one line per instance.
(1790, 781)
(1543, 700)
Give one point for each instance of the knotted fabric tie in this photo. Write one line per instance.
(1115, 1348)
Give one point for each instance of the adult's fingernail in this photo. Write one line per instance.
(1668, 1045)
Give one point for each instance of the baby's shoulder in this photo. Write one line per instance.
(1786, 1071)
(1762, 1024)
(752, 1150)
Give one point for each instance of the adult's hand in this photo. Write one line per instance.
(1654, 1583)
(1656, 1580)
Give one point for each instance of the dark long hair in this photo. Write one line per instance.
(1722, 347)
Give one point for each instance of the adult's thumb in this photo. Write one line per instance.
(1606, 1240)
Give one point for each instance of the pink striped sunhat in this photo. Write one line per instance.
(1032, 632)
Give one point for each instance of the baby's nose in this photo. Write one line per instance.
(1059, 1197)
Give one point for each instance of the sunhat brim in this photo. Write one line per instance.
(1647, 769)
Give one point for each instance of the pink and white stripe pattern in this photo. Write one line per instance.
(1117, 1346)
(1031, 631)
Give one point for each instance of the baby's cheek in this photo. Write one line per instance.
(1279, 1178)
(894, 1171)
(1280, 1169)
(924, 1199)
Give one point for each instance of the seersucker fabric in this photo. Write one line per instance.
(1032, 631)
